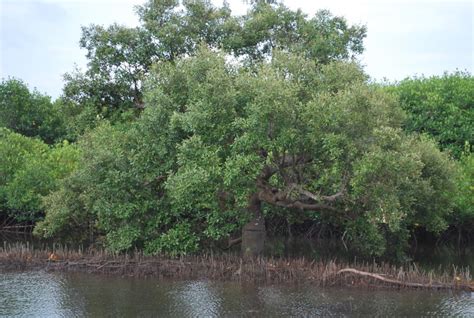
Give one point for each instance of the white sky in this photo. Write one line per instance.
(39, 39)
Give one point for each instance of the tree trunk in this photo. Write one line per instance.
(253, 233)
(459, 237)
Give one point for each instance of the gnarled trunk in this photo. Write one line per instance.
(253, 233)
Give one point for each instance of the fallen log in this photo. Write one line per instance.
(379, 277)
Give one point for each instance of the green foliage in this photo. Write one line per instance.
(29, 113)
(179, 145)
(268, 27)
(312, 141)
(435, 191)
(110, 194)
(120, 58)
(366, 237)
(66, 216)
(77, 119)
(179, 240)
(441, 106)
(30, 170)
(15, 151)
(328, 118)
(463, 216)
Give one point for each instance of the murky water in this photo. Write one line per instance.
(42, 294)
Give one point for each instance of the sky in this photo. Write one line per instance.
(39, 39)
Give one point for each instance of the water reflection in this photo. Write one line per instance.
(196, 299)
(41, 294)
(36, 294)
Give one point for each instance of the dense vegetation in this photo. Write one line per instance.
(29, 113)
(199, 126)
(29, 170)
(442, 107)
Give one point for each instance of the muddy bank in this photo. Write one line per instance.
(228, 267)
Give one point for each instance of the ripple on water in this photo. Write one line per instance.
(34, 294)
(42, 294)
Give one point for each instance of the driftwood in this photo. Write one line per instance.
(404, 284)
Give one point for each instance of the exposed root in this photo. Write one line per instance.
(230, 267)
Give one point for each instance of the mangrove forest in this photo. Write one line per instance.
(200, 131)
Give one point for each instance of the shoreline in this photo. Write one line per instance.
(229, 267)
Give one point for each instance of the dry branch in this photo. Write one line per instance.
(401, 283)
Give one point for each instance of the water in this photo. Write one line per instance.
(43, 294)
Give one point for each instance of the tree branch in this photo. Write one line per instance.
(281, 198)
(306, 200)
(326, 198)
(306, 206)
(315, 197)
(283, 162)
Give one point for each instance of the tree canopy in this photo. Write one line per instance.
(29, 113)
(219, 145)
(441, 106)
(29, 170)
(121, 57)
